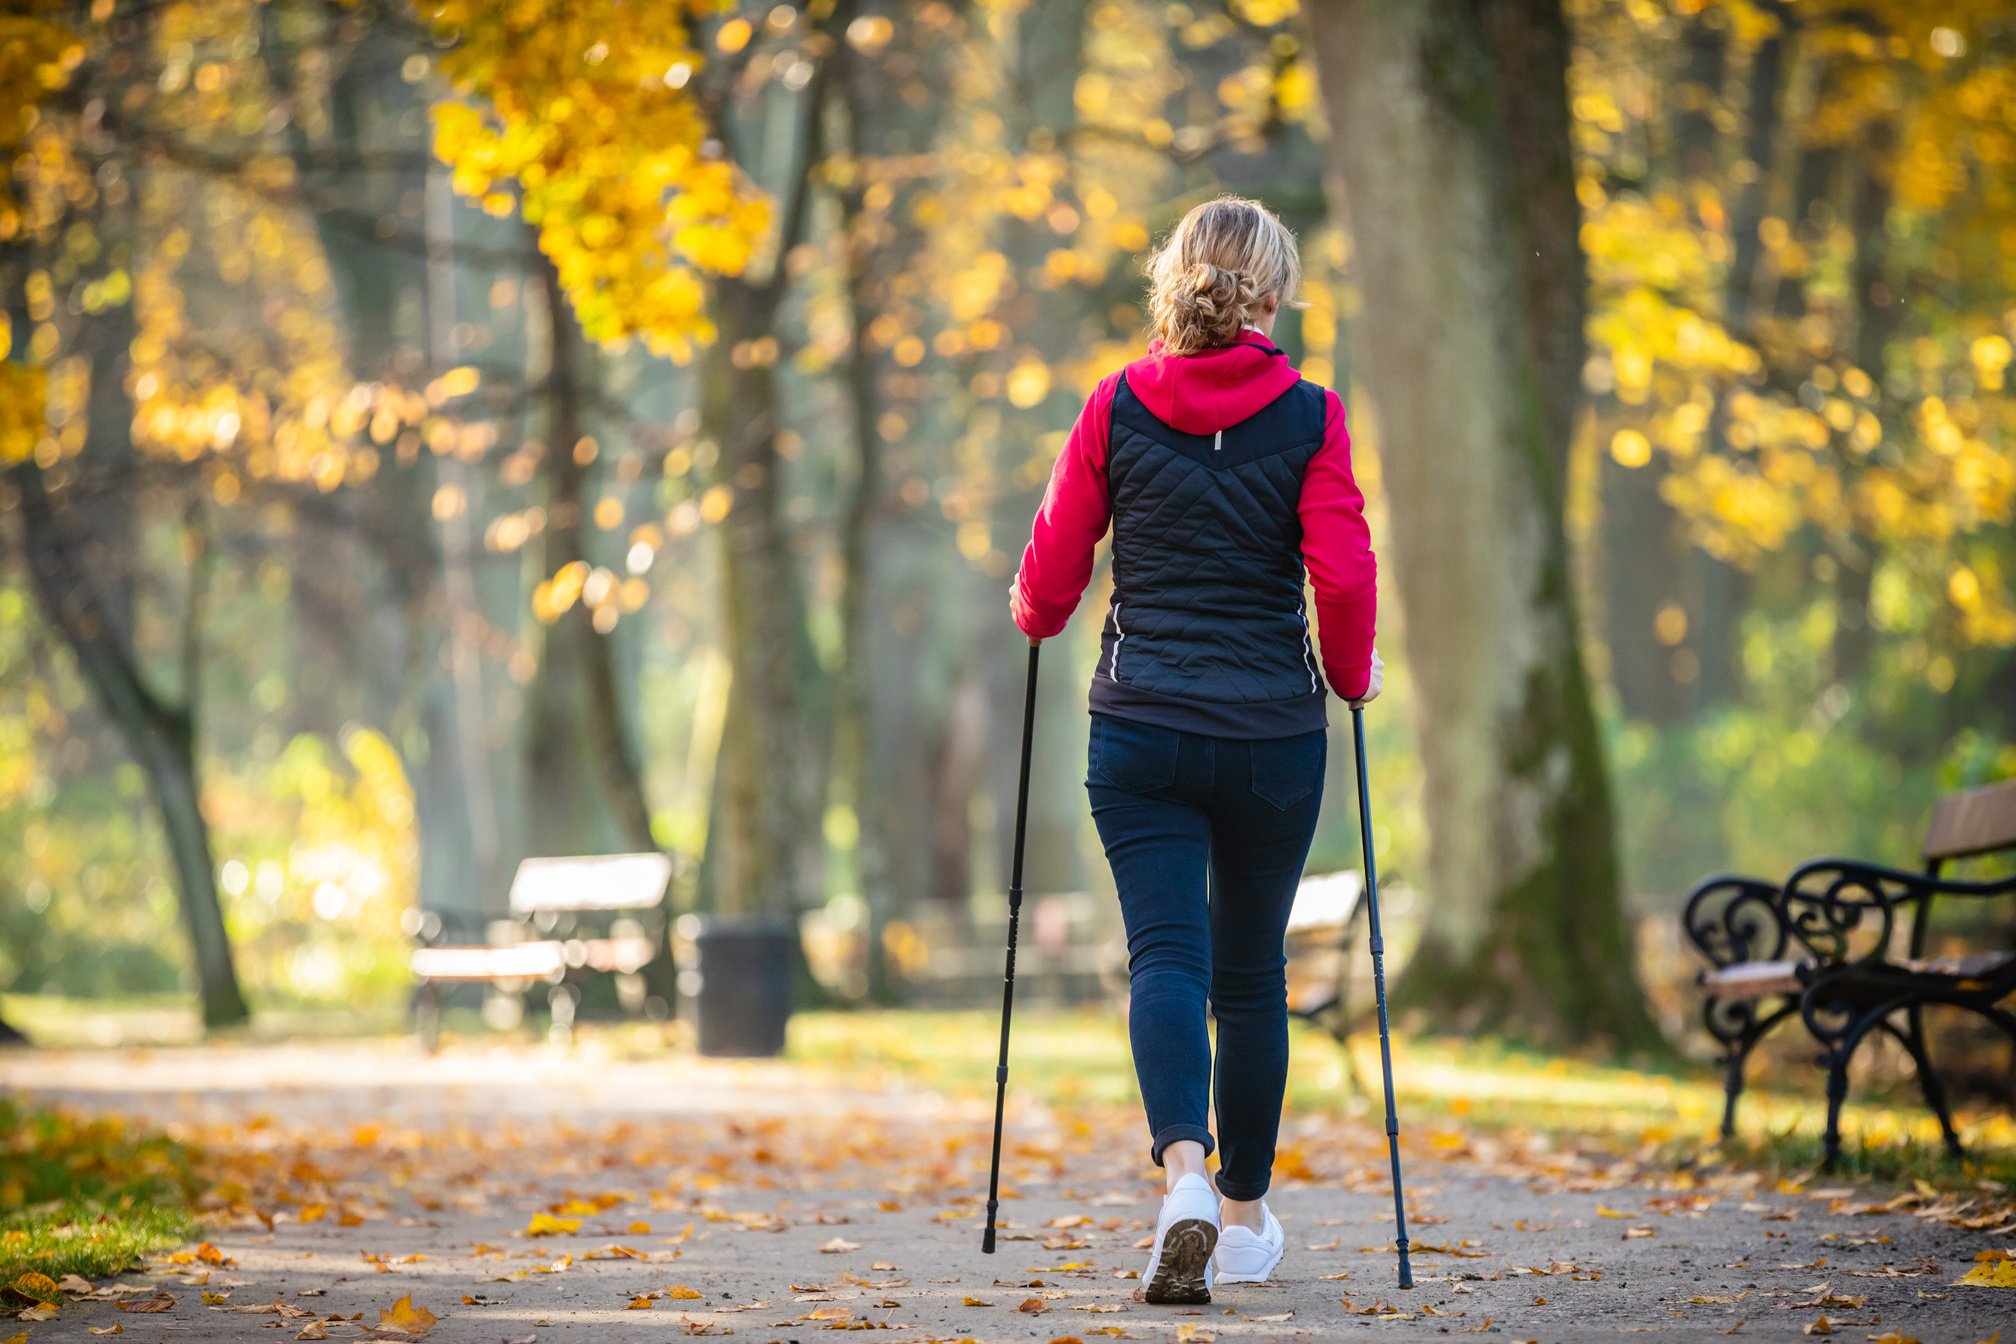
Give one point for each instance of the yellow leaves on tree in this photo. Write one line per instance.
(582, 116)
(37, 56)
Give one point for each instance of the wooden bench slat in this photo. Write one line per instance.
(1963, 966)
(1979, 821)
(518, 961)
(1754, 979)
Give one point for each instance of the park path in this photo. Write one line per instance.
(529, 1196)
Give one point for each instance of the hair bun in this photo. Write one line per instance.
(1213, 303)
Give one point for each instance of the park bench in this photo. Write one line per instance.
(1846, 946)
(1320, 953)
(549, 939)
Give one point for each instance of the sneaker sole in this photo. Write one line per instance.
(1186, 1257)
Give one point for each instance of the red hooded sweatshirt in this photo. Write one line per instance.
(1203, 393)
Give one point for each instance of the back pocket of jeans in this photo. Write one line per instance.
(1288, 769)
(1136, 757)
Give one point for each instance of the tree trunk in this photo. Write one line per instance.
(1876, 310)
(160, 736)
(774, 748)
(587, 789)
(418, 673)
(1450, 137)
(855, 725)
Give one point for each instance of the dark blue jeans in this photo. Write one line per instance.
(1206, 837)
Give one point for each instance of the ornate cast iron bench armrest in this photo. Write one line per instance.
(1734, 920)
(1845, 910)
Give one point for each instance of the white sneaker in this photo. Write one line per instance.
(1179, 1268)
(1246, 1256)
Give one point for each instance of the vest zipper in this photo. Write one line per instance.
(1217, 440)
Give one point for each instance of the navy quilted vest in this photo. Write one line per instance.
(1208, 631)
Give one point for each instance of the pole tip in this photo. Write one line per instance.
(987, 1242)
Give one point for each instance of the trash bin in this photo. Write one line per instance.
(742, 1000)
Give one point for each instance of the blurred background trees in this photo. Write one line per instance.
(439, 433)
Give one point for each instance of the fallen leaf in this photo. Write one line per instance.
(546, 1225)
(114, 1329)
(1033, 1305)
(313, 1330)
(158, 1302)
(43, 1311)
(403, 1316)
(976, 1302)
(839, 1246)
(642, 1302)
(679, 1292)
(1989, 1274)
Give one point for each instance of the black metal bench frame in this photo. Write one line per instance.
(1822, 946)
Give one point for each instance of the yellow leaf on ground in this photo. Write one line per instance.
(38, 1286)
(546, 1225)
(681, 1293)
(41, 1311)
(404, 1316)
(639, 1228)
(1990, 1274)
(113, 1329)
(313, 1213)
(642, 1302)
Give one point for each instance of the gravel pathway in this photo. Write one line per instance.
(528, 1196)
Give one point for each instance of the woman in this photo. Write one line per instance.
(1222, 473)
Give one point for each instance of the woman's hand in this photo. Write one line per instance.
(1376, 685)
(1015, 613)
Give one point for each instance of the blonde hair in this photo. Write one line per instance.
(1216, 268)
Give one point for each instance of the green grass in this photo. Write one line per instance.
(1444, 1085)
(85, 1195)
(60, 1022)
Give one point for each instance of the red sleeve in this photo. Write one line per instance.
(1337, 547)
(1076, 510)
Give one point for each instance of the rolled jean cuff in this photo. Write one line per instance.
(1176, 1134)
(1239, 1190)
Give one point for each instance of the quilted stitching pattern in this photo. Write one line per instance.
(1207, 553)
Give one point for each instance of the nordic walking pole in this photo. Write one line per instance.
(1014, 920)
(1378, 991)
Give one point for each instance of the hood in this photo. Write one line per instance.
(1213, 389)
